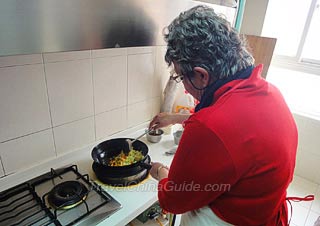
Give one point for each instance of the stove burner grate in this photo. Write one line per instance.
(59, 197)
(67, 195)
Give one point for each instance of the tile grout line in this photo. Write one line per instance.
(19, 65)
(305, 221)
(154, 78)
(2, 166)
(309, 208)
(127, 88)
(52, 127)
(307, 217)
(93, 98)
(67, 60)
(315, 199)
(15, 138)
(49, 105)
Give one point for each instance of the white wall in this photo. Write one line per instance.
(55, 103)
(253, 17)
(308, 155)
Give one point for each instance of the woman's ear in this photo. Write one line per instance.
(203, 75)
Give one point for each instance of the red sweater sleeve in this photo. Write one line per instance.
(201, 171)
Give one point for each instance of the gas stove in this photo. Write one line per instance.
(59, 197)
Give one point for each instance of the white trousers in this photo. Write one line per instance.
(202, 217)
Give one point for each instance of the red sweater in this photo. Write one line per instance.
(236, 156)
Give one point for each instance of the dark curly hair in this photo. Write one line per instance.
(200, 38)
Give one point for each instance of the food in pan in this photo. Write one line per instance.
(123, 160)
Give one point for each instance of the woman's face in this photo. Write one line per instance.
(188, 85)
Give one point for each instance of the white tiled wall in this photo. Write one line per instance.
(139, 112)
(162, 72)
(110, 83)
(1, 170)
(70, 90)
(156, 105)
(20, 60)
(27, 151)
(54, 103)
(308, 157)
(23, 98)
(140, 77)
(72, 135)
(111, 122)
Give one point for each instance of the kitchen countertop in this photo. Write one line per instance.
(134, 199)
(137, 198)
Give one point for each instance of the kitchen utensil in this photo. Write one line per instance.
(119, 175)
(171, 151)
(103, 152)
(154, 136)
(130, 142)
(177, 135)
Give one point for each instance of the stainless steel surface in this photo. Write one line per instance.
(130, 142)
(28, 202)
(93, 200)
(144, 133)
(154, 136)
(177, 135)
(230, 3)
(37, 26)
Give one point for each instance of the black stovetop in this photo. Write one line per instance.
(27, 203)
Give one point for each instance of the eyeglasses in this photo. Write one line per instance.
(176, 77)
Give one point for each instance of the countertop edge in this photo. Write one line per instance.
(64, 160)
(81, 157)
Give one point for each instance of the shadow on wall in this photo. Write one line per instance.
(128, 25)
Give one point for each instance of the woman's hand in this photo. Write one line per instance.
(159, 171)
(164, 119)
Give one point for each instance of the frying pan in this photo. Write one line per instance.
(121, 177)
(103, 152)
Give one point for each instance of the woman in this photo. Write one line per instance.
(236, 156)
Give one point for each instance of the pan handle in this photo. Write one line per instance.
(145, 165)
(99, 156)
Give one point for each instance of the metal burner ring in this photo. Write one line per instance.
(67, 194)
